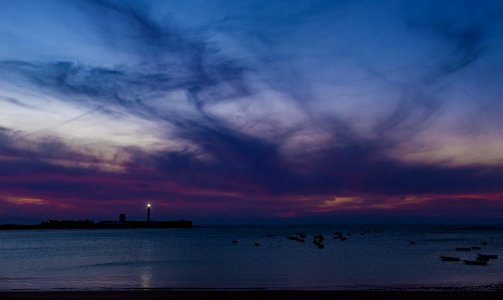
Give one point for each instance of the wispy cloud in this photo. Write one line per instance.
(272, 112)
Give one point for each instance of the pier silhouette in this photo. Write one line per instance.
(122, 223)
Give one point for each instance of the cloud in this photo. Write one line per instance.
(25, 201)
(270, 113)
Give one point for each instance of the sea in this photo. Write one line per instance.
(372, 257)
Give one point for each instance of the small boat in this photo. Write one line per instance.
(484, 243)
(257, 244)
(344, 238)
(412, 243)
(483, 259)
(234, 241)
(295, 238)
(449, 258)
(476, 248)
(269, 235)
(318, 244)
(463, 249)
(488, 256)
(476, 262)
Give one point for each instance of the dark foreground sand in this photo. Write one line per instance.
(254, 294)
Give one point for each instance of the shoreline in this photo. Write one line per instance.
(189, 294)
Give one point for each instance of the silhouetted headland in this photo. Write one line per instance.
(89, 224)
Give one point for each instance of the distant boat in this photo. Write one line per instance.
(476, 262)
(488, 256)
(484, 243)
(318, 241)
(269, 235)
(463, 249)
(319, 237)
(449, 258)
(301, 235)
(476, 248)
(295, 238)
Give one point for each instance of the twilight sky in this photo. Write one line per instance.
(252, 111)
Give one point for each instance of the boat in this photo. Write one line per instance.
(318, 244)
(488, 256)
(319, 237)
(476, 248)
(463, 249)
(449, 258)
(295, 238)
(476, 262)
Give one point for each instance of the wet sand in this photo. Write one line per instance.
(251, 294)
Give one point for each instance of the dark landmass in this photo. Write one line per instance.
(481, 228)
(88, 224)
(253, 294)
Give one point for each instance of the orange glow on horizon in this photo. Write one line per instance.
(395, 202)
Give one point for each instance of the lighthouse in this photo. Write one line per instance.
(148, 212)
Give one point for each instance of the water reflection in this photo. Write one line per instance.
(146, 277)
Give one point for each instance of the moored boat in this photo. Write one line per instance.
(449, 258)
(488, 256)
(295, 238)
(463, 249)
(476, 262)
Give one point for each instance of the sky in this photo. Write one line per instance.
(252, 111)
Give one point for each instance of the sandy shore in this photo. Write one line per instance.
(252, 294)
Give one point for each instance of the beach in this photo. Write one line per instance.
(252, 294)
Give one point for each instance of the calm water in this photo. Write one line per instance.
(206, 258)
